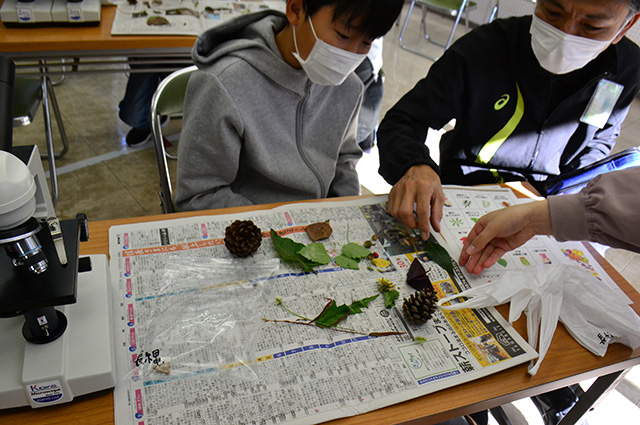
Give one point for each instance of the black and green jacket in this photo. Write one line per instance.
(514, 120)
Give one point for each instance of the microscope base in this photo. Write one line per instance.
(80, 362)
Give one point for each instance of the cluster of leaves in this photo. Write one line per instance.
(315, 254)
(307, 256)
(333, 314)
(388, 291)
(351, 255)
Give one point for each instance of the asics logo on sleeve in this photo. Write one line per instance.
(502, 102)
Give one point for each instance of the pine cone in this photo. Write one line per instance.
(242, 238)
(419, 307)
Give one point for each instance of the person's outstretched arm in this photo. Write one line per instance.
(405, 161)
(605, 211)
(501, 231)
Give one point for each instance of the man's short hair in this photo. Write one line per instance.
(373, 18)
(634, 6)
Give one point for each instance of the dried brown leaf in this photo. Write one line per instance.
(319, 231)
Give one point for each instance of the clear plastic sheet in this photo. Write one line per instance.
(204, 319)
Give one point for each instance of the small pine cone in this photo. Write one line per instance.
(242, 238)
(419, 307)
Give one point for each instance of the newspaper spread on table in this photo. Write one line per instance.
(193, 348)
(181, 17)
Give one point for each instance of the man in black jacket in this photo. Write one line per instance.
(533, 98)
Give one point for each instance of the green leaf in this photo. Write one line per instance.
(439, 255)
(288, 250)
(315, 252)
(346, 262)
(355, 251)
(332, 314)
(357, 306)
(390, 298)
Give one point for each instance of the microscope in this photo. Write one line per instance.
(56, 333)
(38, 13)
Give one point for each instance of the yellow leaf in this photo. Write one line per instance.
(381, 262)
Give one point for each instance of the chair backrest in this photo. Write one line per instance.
(449, 7)
(167, 100)
(27, 98)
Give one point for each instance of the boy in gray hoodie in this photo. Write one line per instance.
(271, 114)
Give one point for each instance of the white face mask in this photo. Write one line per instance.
(326, 64)
(561, 53)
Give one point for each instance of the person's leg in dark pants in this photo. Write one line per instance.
(136, 104)
(554, 405)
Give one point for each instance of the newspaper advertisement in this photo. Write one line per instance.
(206, 338)
(464, 206)
(181, 17)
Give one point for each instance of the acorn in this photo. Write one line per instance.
(420, 306)
(242, 238)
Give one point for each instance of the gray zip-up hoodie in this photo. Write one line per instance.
(256, 130)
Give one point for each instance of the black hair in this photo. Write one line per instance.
(373, 18)
(634, 5)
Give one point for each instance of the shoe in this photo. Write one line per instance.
(139, 136)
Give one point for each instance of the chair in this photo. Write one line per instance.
(449, 7)
(167, 100)
(29, 93)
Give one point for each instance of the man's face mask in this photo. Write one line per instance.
(561, 53)
(326, 64)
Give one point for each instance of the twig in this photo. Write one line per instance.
(346, 330)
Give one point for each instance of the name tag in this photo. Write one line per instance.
(601, 104)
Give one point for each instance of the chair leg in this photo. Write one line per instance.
(406, 21)
(423, 22)
(53, 176)
(455, 25)
(466, 20)
(404, 27)
(56, 112)
(166, 192)
(494, 11)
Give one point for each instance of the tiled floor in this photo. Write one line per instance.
(105, 179)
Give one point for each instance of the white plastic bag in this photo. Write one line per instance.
(593, 313)
(596, 316)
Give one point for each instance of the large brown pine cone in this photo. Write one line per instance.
(242, 238)
(419, 307)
